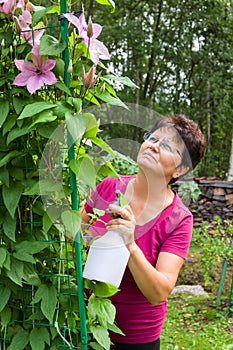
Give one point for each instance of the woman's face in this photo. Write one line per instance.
(161, 152)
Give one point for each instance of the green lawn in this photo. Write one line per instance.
(194, 323)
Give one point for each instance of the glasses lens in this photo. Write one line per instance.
(146, 136)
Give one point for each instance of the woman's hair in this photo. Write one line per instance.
(190, 134)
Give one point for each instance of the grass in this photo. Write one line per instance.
(194, 323)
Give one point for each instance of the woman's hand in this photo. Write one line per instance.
(123, 221)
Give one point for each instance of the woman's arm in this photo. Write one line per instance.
(155, 283)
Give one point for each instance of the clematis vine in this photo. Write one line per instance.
(88, 34)
(31, 35)
(10, 6)
(35, 73)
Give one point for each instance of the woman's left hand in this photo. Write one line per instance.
(123, 221)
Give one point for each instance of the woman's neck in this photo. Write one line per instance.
(148, 197)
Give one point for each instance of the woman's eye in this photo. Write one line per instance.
(167, 146)
(153, 139)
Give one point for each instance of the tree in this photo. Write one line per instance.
(179, 54)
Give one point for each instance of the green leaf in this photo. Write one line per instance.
(72, 221)
(101, 335)
(38, 338)
(43, 187)
(5, 317)
(3, 254)
(91, 125)
(24, 257)
(8, 157)
(11, 196)
(63, 87)
(44, 117)
(35, 108)
(106, 97)
(18, 103)
(103, 145)
(16, 132)
(102, 289)
(9, 124)
(51, 46)
(103, 308)
(4, 110)
(30, 275)
(37, 15)
(50, 217)
(110, 78)
(113, 328)
(96, 346)
(4, 177)
(19, 341)
(107, 2)
(5, 293)
(30, 247)
(9, 226)
(76, 126)
(16, 271)
(84, 169)
(48, 296)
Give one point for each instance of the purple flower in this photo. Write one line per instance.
(96, 48)
(9, 6)
(35, 73)
(32, 36)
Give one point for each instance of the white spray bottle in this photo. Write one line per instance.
(107, 257)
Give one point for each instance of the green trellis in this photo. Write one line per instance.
(62, 264)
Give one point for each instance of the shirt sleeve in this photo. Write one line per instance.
(102, 196)
(179, 233)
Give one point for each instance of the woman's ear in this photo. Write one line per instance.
(180, 170)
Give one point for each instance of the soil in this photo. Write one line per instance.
(191, 274)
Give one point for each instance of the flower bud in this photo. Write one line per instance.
(70, 67)
(17, 25)
(3, 43)
(89, 28)
(90, 78)
(11, 49)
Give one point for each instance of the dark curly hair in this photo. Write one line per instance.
(190, 134)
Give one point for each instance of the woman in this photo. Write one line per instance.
(155, 225)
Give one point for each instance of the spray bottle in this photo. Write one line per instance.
(107, 257)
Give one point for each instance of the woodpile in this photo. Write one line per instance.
(216, 199)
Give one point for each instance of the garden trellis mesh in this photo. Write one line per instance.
(47, 310)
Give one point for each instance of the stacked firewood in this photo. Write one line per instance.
(216, 199)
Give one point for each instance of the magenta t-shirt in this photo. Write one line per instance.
(171, 231)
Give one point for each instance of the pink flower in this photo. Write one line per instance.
(9, 6)
(31, 35)
(96, 48)
(36, 73)
(89, 79)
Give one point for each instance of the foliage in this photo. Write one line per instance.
(181, 62)
(194, 323)
(216, 246)
(47, 79)
(189, 190)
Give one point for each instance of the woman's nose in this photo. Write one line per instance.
(155, 146)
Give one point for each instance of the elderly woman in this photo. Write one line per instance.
(156, 227)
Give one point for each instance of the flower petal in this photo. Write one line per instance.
(97, 29)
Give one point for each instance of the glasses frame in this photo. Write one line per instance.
(163, 144)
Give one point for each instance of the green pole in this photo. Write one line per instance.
(224, 269)
(74, 195)
(230, 298)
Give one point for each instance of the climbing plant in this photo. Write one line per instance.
(52, 67)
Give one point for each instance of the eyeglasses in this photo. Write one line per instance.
(166, 145)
